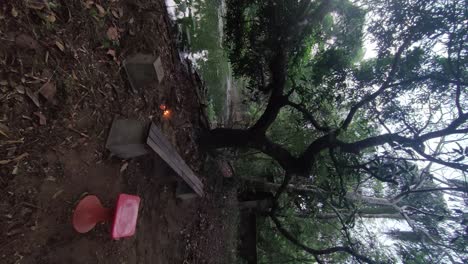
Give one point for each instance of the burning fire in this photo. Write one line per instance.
(166, 112)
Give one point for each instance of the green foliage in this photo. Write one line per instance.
(322, 42)
(200, 33)
(289, 131)
(320, 45)
(211, 111)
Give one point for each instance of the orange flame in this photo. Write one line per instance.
(166, 113)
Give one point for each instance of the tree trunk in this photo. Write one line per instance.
(239, 138)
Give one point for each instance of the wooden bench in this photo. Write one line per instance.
(131, 138)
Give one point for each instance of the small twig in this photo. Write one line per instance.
(76, 131)
(30, 205)
(79, 101)
(8, 142)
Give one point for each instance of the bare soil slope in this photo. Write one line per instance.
(61, 84)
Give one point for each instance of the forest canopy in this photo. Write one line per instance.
(340, 137)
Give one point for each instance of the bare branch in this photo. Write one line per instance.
(279, 192)
(453, 165)
(308, 116)
(383, 87)
(439, 189)
(364, 215)
(317, 252)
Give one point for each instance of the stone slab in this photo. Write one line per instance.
(143, 70)
(127, 138)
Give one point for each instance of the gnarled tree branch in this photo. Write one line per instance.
(318, 252)
(308, 116)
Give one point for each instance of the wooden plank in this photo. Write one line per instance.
(178, 160)
(157, 141)
(190, 179)
(180, 163)
(175, 166)
(156, 135)
(164, 156)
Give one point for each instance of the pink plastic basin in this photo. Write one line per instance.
(125, 217)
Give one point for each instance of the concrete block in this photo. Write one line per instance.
(127, 138)
(143, 70)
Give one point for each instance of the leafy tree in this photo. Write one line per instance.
(338, 126)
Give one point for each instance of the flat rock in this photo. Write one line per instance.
(143, 70)
(127, 138)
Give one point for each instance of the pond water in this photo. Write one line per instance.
(200, 25)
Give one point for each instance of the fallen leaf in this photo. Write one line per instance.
(15, 170)
(20, 157)
(48, 90)
(4, 162)
(3, 82)
(115, 14)
(74, 76)
(113, 33)
(101, 11)
(50, 178)
(20, 89)
(33, 97)
(60, 45)
(35, 4)
(124, 167)
(4, 130)
(14, 12)
(50, 17)
(42, 118)
(57, 194)
(112, 53)
(88, 4)
(26, 41)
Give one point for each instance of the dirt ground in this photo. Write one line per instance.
(61, 84)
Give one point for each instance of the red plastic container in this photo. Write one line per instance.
(90, 211)
(125, 217)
